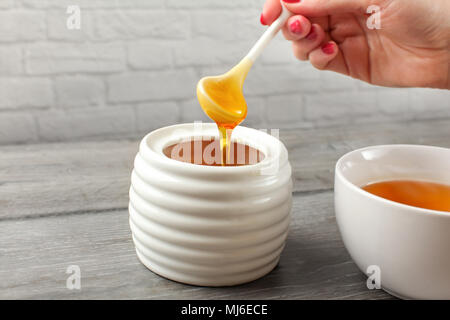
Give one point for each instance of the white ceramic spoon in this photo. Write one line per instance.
(221, 96)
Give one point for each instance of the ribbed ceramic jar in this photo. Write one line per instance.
(206, 225)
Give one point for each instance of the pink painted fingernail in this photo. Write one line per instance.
(328, 48)
(291, 1)
(261, 19)
(296, 27)
(312, 34)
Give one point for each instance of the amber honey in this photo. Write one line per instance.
(208, 153)
(427, 195)
(221, 98)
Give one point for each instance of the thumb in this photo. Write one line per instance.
(320, 8)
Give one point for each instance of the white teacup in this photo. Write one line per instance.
(410, 246)
(206, 225)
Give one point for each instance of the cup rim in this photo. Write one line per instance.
(362, 192)
(266, 145)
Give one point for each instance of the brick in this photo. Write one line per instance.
(94, 4)
(62, 58)
(284, 109)
(211, 4)
(255, 113)
(247, 26)
(22, 26)
(213, 25)
(17, 128)
(343, 106)
(10, 61)
(265, 80)
(138, 24)
(150, 55)
(215, 69)
(75, 124)
(25, 92)
(6, 4)
(394, 101)
(79, 91)
(151, 116)
(430, 103)
(163, 85)
(209, 52)
(228, 25)
(336, 81)
(57, 26)
(279, 52)
(191, 111)
(362, 85)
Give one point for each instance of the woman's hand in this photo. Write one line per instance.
(411, 49)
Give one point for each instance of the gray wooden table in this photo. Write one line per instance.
(65, 204)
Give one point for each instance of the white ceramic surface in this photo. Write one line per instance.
(204, 225)
(410, 245)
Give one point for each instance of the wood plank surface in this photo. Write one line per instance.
(36, 252)
(65, 203)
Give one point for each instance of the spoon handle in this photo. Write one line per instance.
(270, 33)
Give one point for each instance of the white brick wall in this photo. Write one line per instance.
(19, 25)
(59, 58)
(10, 61)
(134, 65)
(17, 93)
(148, 86)
(78, 91)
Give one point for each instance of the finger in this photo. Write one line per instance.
(338, 64)
(296, 28)
(319, 8)
(321, 57)
(304, 46)
(271, 11)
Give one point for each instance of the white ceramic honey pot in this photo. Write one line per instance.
(210, 225)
